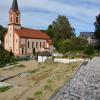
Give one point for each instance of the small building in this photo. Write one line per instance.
(89, 36)
(23, 41)
(43, 56)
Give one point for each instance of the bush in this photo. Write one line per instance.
(3, 89)
(89, 50)
(6, 57)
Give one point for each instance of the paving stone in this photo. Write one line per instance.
(85, 84)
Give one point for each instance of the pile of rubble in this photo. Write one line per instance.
(85, 84)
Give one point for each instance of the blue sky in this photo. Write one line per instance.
(40, 13)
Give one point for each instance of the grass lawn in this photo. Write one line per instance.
(49, 77)
(39, 82)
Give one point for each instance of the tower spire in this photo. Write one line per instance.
(15, 6)
(14, 15)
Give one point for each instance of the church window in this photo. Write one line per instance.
(28, 44)
(36, 44)
(32, 44)
(6, 40)
(44, 44)
(11, 19)
(16, 40)
(22, 51)
(10, 13)
(40, 45)
(17, 19)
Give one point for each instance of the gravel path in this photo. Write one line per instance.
(85, 85)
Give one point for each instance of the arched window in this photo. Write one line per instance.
(40, 45)
(17, 19)
(16, 40)
(36, 44)
(6, 40)
(11, 19)
(44, 45)
(28, 44)
(32, 44)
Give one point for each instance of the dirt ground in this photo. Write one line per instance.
(39, 82)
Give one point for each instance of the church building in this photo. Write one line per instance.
(21, 40)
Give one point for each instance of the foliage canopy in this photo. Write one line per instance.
(2, 32)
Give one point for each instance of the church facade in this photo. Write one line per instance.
(24, 41)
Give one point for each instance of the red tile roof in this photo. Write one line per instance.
(32, 33)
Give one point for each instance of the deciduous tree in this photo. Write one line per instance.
(2, 32)
(97, 32)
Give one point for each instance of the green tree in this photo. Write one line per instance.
(71, 45)
(89, 50)
(97, 27)
(6, 57)
(97, 32)
(60, 29)
(63, 46)
(2, 32)
(79, 43)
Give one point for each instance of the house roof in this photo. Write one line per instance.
(31, 33)
(15, 6)
(87, 34)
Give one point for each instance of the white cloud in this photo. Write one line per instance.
(82, 14)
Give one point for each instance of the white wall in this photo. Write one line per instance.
(42, 58)
(58, 60)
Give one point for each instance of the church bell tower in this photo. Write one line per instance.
(14, 23)
(14, 15)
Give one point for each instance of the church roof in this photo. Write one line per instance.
(31, 33)
(15, 6)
